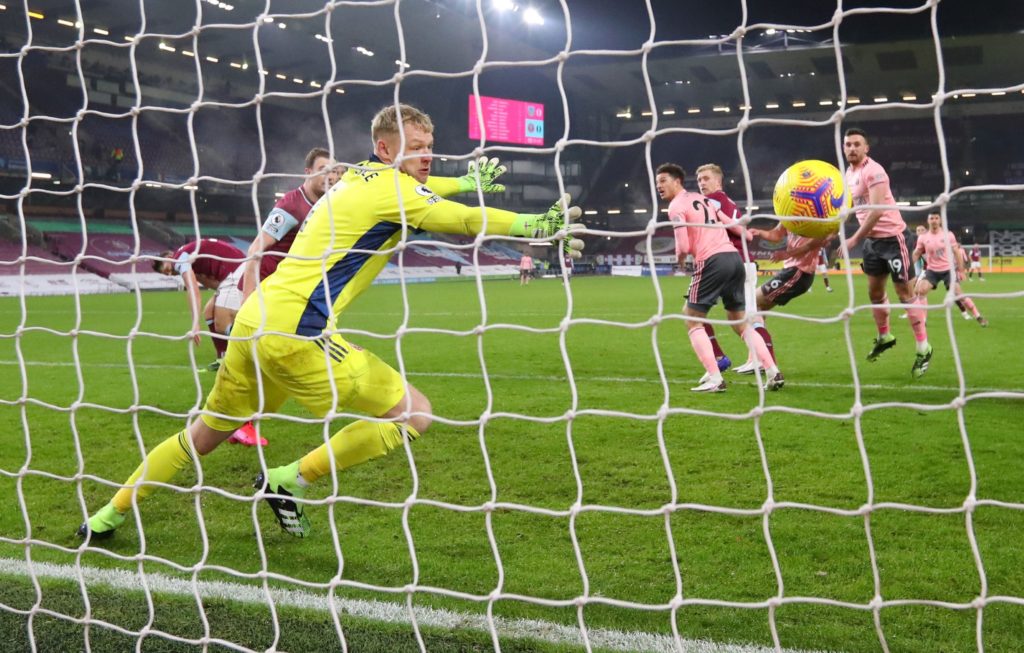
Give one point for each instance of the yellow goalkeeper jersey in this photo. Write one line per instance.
(346, 240)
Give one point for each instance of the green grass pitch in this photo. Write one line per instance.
(632, 441)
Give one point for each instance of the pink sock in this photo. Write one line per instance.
(918, 319)
(969, 303)
(756, 345)
(881, 316)
(702, 346)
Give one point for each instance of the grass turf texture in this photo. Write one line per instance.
(915, 454)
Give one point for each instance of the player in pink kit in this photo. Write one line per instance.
(525, 269)
(935, 245)
(215, 265)
(718, 272)
(800, 259)
(885, 248)
(709, 181)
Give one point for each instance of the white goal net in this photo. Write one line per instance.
(572, 493)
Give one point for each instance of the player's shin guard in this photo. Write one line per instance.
(757, 345)
(969, 303)
(881, 316)
(219, 344)
(918, 319)
(702, 347)
(161, 465)
(715, 347)
(356, 443)
(767, 337)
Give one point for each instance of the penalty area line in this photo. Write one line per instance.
(652, 380)
(379, 611)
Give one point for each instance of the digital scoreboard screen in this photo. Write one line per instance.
(507, 121)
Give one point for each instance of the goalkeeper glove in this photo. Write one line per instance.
(545, 225)
(485, 171)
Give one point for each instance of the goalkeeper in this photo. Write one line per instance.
(284, 341)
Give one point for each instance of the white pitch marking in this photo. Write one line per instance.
(381, 611)
(550, 377)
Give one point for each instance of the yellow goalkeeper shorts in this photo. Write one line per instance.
(322, 374)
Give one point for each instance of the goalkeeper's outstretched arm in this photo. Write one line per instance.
(455, 218)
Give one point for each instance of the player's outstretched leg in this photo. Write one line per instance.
(161, 465)
(357, 443)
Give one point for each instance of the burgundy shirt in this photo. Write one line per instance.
(209, 256)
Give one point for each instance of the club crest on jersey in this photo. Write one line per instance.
(432, 197)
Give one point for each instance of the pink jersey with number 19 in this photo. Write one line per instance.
(860, 180)
(694, 210)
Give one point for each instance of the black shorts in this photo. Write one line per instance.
(787, 284)
(935, 278)
(723, 276)
(887, 256)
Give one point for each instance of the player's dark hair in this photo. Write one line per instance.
(856, 131)
(159, 262)
(315, 154)
(672, 170)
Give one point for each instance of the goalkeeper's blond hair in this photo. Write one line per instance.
(385, 123)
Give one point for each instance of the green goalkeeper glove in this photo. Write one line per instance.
(545, 225)
(485, 171)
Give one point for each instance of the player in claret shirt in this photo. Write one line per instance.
(975, 264)
(215, 265)
(286, 218)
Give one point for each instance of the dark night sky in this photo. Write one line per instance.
(625, 24)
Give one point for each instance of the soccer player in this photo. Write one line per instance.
(718, 273)
(800, 258)
(920, 230)
(935, 245)
(822, 266)
(285, 219)
(214, 265)
(525, 269)
(975, 264)
(885, 248)
(285, 339)
(709, 181)
(275, 239)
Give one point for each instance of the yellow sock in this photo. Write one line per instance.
(356, 443)
(167, 459)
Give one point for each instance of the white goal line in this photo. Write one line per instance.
(549, 377)
(378, 611)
